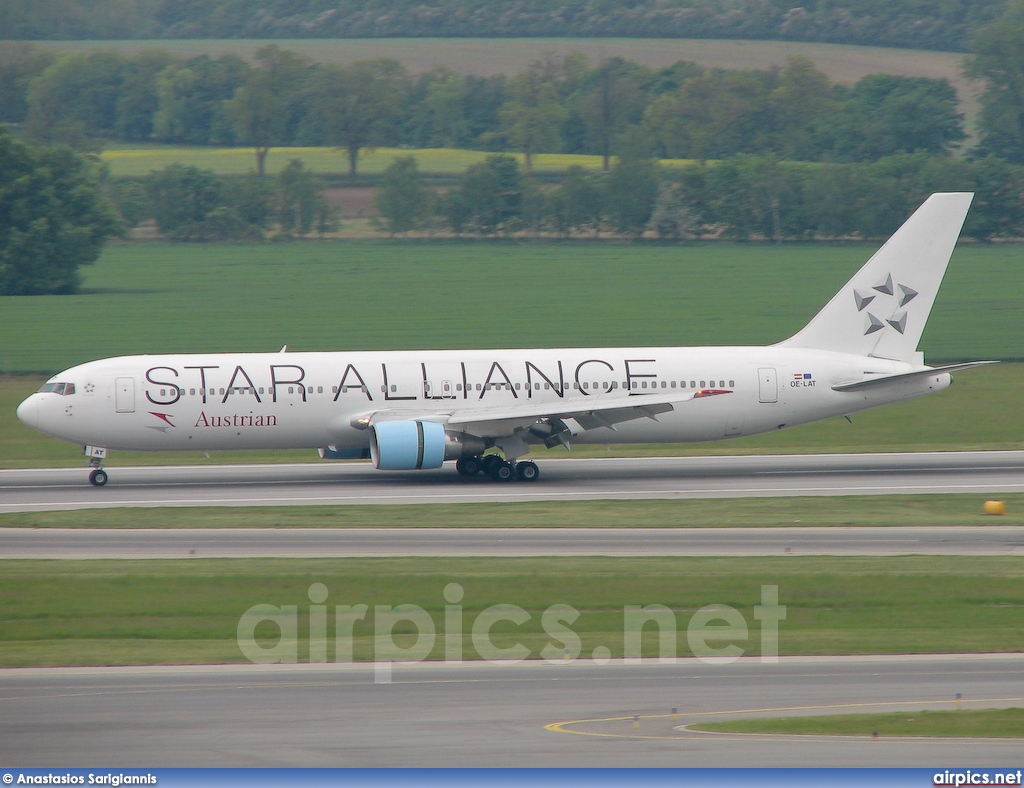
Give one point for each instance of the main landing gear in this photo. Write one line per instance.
(499, 469)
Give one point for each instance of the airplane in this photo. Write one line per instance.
(486, 409)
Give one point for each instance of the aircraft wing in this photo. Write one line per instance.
(597, 410)
(591, 412)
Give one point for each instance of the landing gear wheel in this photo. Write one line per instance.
(488, 461)
(501, 471)
(527, 471)
(98, 477)
(468, 466)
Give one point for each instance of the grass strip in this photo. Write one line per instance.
(961, 723)
(188, 611)
(137, 162)
(845, 511)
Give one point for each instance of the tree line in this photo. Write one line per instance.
(556, 105)
(56, 207)
(192, 204)
(743, 197)
(920, 24)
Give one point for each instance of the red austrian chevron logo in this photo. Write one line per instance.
(164, 417)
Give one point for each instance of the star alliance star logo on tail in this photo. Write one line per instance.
(165, 417)
(898, 317)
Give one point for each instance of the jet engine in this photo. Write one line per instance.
(412, 445)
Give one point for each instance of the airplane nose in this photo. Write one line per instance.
(28, 412)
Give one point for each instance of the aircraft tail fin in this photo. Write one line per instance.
(883, 309)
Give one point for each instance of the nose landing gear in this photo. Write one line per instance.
(96, 455)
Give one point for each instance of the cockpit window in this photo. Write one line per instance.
(64, 389)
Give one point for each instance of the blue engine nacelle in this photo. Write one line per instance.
(413, 445)
(343, 453)
(407, 445)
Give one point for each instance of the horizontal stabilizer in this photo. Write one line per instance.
(885, 380)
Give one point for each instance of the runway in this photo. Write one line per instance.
(480, 714)
(64, 543)
(533, 714)
(561, 479)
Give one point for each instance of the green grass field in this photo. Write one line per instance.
(136, 161)
(354, 295)
(974, 723)
(338, 295)
(187, 611)
(837, 511)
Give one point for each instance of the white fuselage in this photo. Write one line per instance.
(312, 400)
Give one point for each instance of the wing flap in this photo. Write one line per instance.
(598, 406)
